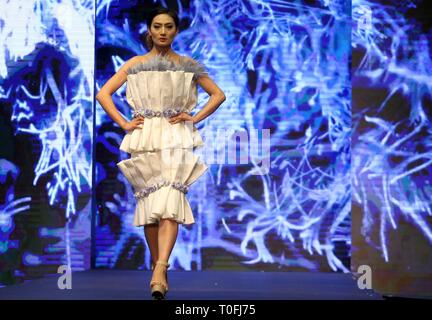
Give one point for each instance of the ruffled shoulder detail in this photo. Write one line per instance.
(161, 63)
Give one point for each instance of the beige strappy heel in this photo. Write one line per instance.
(159, 289)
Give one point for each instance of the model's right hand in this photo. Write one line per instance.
(133, 124)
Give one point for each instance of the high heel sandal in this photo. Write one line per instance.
(159, 289)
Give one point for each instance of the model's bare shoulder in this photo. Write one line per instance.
(144, 58)
(189, 60)
(128, 64)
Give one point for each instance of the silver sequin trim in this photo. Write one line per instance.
(149, 113)
(146, 191)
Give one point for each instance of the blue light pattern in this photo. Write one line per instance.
(392, 137)
(46, 94)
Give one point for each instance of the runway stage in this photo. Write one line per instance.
(194, 285)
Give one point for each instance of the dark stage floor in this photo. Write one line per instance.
(195, 285)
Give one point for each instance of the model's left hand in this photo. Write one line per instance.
(181, 117)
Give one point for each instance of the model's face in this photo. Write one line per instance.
(163, 30)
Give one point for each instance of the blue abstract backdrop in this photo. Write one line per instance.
(392, 140)
(46, 125)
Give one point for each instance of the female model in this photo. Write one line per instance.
(162, 91)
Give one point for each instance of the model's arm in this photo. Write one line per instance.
(104, 97)
(216, 98)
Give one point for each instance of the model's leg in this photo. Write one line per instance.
(151, 234)
(167, 236)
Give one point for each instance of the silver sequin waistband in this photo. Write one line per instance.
(149, 113)
(146, 191)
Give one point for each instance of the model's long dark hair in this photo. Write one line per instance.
(159, 10)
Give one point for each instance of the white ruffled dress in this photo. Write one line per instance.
(162, 164)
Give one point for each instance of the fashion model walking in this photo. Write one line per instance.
(161, 89)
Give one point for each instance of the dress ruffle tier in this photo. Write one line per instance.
(157, 133)
(160, 180)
